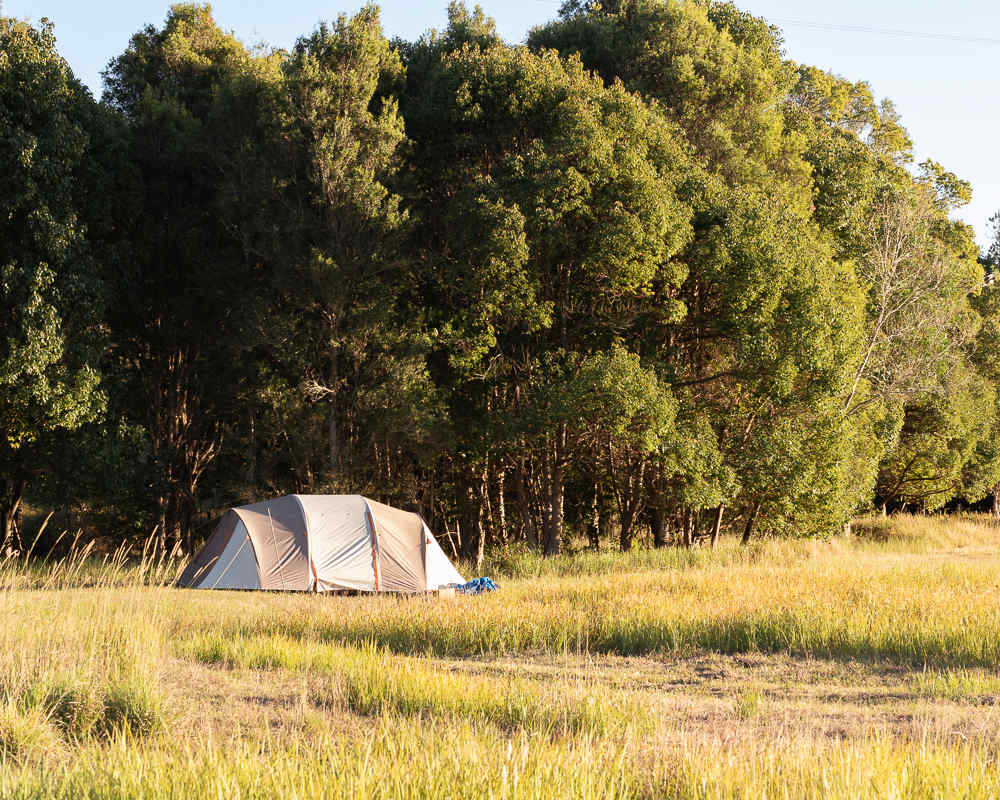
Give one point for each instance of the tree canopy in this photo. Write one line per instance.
(642, 278)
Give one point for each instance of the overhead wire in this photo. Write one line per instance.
(830, 26)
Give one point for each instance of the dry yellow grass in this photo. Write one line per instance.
(857, 667)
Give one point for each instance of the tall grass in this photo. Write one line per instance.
(131, 564)
(387, 761)
(377, 686)
(836, 604)
(872, 768)
(84, 643)
(422, 760)
(373, 682)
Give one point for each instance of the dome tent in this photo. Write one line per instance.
(321, 543)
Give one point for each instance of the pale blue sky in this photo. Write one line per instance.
(946, 90)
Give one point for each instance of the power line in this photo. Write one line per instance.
(829, 26)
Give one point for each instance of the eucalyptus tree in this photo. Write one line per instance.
(981, 473)
(189, 304)
(355, 348)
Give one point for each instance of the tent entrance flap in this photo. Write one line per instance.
(340, 542)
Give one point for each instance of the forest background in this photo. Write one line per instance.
(641, 279)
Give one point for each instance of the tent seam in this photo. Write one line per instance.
(274, 541)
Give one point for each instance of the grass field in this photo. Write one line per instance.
(866, 666)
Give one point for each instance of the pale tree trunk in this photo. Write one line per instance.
(555, 490)
(717, 525)
(498, 504)
(996, 501)
(474, 541)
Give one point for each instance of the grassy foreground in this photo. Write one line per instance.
(864, 666)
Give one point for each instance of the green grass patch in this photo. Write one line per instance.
(961, 685)
(376, 686)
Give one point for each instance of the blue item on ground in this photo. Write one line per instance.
(477, 586)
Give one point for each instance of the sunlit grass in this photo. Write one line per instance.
(389, 761)
(835, 604)
(372, 682)
(85, 642)
(960, 685)
(873, 768)
(378, 686)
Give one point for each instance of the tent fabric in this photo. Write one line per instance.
(197, 570)
(340, 541)
(321, 543)
(440, 571)
(236, 567)
(278, 532)
(400, 537)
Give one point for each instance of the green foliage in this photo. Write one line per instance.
(49, 284)
(643, 270)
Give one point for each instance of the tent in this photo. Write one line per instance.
(321, 543)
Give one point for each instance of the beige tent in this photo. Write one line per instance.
(321, 543)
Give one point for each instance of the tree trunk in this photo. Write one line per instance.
(333, 442)
(594, 528)
(751, 519)
(996, 501)
(717, 526)
(528, 531)
(500, 505)
(658, 522)
(482, 528)
(626, 519)
(474, 539)
(10, 507)
(689, 523)
(554, 495)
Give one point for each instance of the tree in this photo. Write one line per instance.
(547, 207)
(355, 350)
(197, 106)
(50, 289)
(757, 355)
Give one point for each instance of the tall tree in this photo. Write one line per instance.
(188, 303)
(548, 207)
(49, 283)
(757, 355)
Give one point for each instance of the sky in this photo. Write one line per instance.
(943, 82)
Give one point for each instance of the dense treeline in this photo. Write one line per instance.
(642, 277)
